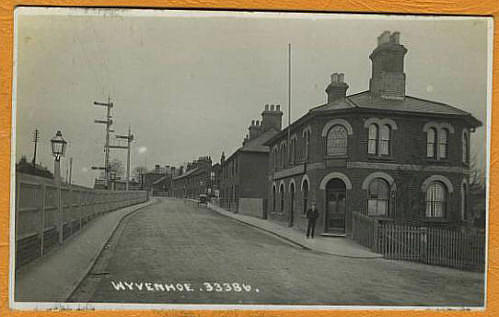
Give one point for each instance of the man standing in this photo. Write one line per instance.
(312, 215)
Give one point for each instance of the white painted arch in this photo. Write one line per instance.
(330, 176)
(283, 186)
(387, 177)
(437, 178)
(381, 122)
(334, 122)
(309, 129)
(292, 182)
(303, 179)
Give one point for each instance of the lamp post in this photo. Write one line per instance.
(58, 148)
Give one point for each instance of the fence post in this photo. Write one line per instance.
(42, 220)
(375, 235)
(80, 196)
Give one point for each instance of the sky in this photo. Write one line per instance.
(190, 82)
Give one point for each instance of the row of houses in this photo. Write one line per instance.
(380, 153)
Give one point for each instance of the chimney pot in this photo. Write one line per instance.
(334, 77)
(267, 107)
(395, 38)
(271, 107)
(257, 123)
(384, 38)
(252, 122)
(278, 107)
(341, 77)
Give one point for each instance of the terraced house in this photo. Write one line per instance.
(379, 153)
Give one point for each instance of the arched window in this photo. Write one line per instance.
(378, 197)
(307, 144)
(281, 192)
(431, 143)
(385, 140)
(283, 155)
(305, 196)
(293, 150)
(436, 200)
(273, 198)
(276, 158)
(372, 147)
(465, 148)
(443, 143)
(337, 140)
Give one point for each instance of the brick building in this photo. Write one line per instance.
(379, 153)
(243, 176)
(195, 180)
(150, 177)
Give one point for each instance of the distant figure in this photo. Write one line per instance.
(312, 215)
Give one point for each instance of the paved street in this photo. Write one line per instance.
(175, 252)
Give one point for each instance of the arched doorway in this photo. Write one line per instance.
(335, 206)
(291, 204)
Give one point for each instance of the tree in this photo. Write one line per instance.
(116, 168)
(138, 172)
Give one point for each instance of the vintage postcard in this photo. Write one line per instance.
(189, 159)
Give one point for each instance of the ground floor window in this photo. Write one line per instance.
(436, 200)
(378, 198)
(305, 196)
(281, 191)
(273, 198)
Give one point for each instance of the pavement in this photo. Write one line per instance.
(338, 246)
(53, 277)
(176, 252)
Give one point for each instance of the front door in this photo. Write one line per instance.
(335, 206)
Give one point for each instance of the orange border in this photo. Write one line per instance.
(454, 7)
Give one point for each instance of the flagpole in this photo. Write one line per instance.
(289, 102)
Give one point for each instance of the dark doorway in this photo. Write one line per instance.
(291, 204)
(335, 206)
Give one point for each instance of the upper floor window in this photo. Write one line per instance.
(431, 143)
(465, 144)
(293, 150)
(337, 140)
(307, 143)
(378, 198)
(380, 135)
(372, 147)
(437, 139)
(385, 140)
(276, 158)
(443, 143)
(436, 200)
(283, 155)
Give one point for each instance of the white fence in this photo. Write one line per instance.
(37, 217)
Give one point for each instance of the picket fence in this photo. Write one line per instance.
(431, 245)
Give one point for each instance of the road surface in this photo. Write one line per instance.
(176, 252)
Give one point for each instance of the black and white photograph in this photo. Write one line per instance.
(195, 159)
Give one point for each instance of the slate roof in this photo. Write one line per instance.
(408, 104)
(365, 101)
(257, 144)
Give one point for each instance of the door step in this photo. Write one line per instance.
(334, 235)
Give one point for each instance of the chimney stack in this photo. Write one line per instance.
(271, 118)
(388, 77)
(337, 89)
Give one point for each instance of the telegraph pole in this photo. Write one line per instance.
(108, 122)
(129, 139)
(36, 138)
(70, 169)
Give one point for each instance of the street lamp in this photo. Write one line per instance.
(58, 148)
